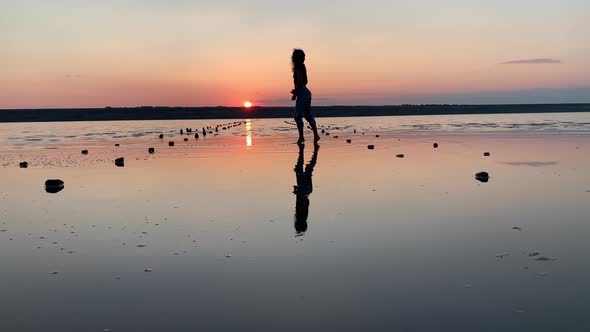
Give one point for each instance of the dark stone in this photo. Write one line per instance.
(486, 154)
(196, 135)
(348, 141)
(371, 147)
(84, 151)
(354, 131)
(186, 139)
(335, 136)
(151, 150)
(435, 145)
(54, 183)
(482, 176)
(181, 132)
(54, 186)
(161, 136)
(376, 135)
(323, 131)
(170, 143)
(401, 155)
(23, 164)
(117, 144)
(120, 162)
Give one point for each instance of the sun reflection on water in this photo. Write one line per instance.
(248, 133)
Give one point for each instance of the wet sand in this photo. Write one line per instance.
(211, 234)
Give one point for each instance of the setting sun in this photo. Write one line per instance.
(247, 104)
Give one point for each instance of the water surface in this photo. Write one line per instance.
(365, 241)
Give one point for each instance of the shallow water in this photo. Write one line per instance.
(210, 234)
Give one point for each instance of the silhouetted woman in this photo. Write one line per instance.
(303, 96)
(303, 188)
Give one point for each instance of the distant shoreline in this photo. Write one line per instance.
(191, 113)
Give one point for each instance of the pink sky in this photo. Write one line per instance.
(69, 53)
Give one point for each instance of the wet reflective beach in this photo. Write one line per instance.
(244, 230)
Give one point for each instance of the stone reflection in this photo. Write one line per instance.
(303, 188)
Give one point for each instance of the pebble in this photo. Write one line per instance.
(482, 176)
(371, 147)
(141, 245)
(147, 270)
(401, 155)
(545, 259)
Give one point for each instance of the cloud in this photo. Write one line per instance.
(531, 61)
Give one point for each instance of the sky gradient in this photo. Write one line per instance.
(84, 53)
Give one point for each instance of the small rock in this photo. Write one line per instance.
(141, 245)
(376, 135)
(371, 147)
(486, 154)
(147, 270)
(435, 145)
(482, 176)
(401, 155)
(23, 164)
(117, 144)
(161, 136)
(170, 143)
(502, 255)
(84, 151)
(533, 253)
(348, 141)
(228, 256)
(151, 150)
(120, 162)
(517, 228)
(545, 259)
(196, 135)
(54, 186)
(186, 139)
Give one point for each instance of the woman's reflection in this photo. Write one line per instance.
(303, 188)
